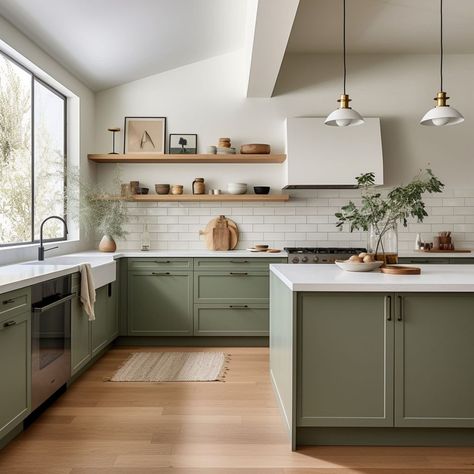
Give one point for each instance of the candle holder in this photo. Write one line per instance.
(114, 131)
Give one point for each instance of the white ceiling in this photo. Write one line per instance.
(110, 42)
(382, 26)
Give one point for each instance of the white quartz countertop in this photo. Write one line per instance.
(13, 277)
(433, 278)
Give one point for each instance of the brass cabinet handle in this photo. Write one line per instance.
(388, 308)
(161, 273)
(400, 308)
(239, 306)
(238, 273)
(9, 323)
(11, 300)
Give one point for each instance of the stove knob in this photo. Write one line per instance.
(304, 259)
(295, 260)
(316, 259)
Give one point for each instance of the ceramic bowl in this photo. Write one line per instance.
(358, 267)
(162, 188)
(237, 188)
(261, 189)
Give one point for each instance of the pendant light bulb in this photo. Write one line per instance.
(441, 115)
(344, 116)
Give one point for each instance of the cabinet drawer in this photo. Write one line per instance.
(251, 264)
(231, 320)
(231, 287)
(15, 302)
(160, 263)
(424, 261)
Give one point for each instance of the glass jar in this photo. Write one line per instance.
(384, 247)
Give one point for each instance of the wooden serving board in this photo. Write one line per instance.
(400, 270)
(208, 233)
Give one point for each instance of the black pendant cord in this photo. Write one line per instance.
(441, 44)
(344, 40)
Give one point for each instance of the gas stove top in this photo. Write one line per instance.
(320, 254)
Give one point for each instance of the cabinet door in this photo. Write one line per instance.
(434, 360)
(160, 303)
(15, 371)
(80, 336)
(100, 326)
(231, 287)
(231, 320)
(345, 359)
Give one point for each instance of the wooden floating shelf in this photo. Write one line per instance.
(204, 197)
(179, 158)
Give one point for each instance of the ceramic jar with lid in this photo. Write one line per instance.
(198, 186)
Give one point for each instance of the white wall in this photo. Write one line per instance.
(208, 98)
(80, 125)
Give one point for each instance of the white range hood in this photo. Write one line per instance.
(319, 156)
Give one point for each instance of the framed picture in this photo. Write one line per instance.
(145, 135)
(183, 143)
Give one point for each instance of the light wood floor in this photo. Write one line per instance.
(234, 427)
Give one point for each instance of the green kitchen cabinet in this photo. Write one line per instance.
(80, 335)
(15, 369)
(434, 375)
(231, 287)
(160, 303)
(231, 320)
(344, 360)
(104, 329)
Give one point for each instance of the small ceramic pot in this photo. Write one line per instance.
(212, 150)
(134, 185)
(176, 189)
(162, 188)
(107, 244)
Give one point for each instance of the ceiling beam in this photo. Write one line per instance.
(269, 28)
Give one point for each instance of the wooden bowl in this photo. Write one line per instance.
(255, 149)
(162, 188)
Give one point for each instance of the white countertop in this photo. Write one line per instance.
(433, 278)
(13, 277)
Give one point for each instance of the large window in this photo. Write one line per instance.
(32, 156)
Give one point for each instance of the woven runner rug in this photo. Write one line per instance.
(172, 367)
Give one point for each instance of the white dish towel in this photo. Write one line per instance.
(87, 290)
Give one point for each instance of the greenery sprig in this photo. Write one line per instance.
(382, 213)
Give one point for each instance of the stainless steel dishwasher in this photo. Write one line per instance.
(50, 338)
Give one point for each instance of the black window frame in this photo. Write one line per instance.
(35, 78)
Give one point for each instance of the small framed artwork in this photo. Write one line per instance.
(145, 135)
(183, 143)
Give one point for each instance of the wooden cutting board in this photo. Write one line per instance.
(221, 234)
(209, 234)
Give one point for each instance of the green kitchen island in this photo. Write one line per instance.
(373, 359)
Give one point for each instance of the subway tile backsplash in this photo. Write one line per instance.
(306, 220)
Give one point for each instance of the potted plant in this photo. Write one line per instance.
(380, 215)
(98, 210)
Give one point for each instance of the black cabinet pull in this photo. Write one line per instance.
(400, 308)
(238, 273)
(239, 261)
(9, 323)
(161, 273)
(11, 300)
(238, 306)
(388, 308)
(163, 261)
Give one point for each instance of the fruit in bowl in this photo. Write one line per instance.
(364, 262)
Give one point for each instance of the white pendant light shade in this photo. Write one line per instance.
(344, 117)
(444, 115)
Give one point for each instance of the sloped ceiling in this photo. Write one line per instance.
(109, 42)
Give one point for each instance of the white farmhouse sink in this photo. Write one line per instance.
(103, 268)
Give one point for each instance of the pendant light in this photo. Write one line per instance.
(442, 114)
(344, 116)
